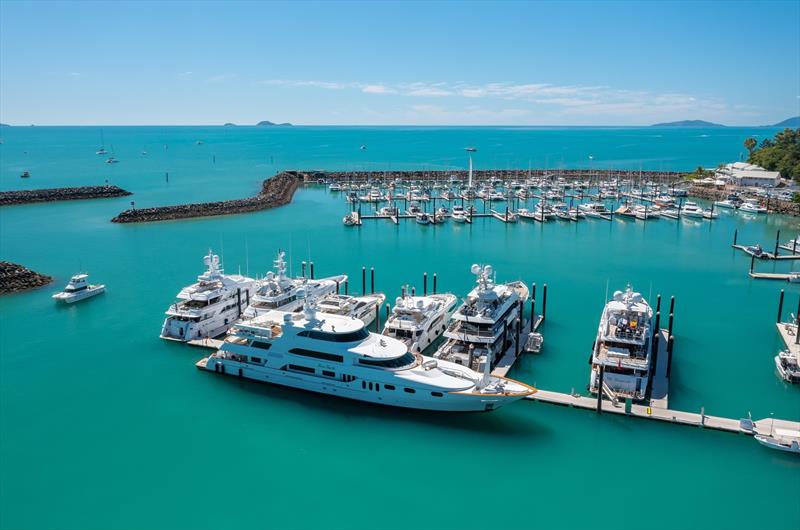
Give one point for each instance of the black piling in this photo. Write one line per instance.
(346, 286)
(377, 318)
(658, 303)
(424, 284)
(780, 307)
(372, 280)
(671, 304)
(363, 280)
(402, 292)
(670, 346)
(777, 242)
(434, 283)
(311, 267)
(752, 263)
(669, 326)
(533, 305)
(519, 332)
(303, 269)
(797, 321)
(600, 391)
(544, 303)
(658, 322)
(735, 236)
(337, 286)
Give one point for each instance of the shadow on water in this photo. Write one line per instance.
(502, 423)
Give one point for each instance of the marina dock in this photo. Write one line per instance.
(772, 276)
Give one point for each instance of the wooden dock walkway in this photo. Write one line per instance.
(508, 359)
(788, 332)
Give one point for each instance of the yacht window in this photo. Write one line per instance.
(352, 336)
(317, 355)
(328, 373)
(364, 385)
(261, 345)
(377, 387)
(370, 386)
(400, 362)
(409, 390)
(388, 387)
(299, 368)
(256, 360)
(437, 394)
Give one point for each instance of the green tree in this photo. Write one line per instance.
(782, 153)
(750, 144)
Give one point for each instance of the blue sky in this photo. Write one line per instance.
(514, 63)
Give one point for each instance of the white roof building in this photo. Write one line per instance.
(744, 174)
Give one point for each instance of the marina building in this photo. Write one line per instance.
(744, 174)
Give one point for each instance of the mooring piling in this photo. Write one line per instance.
(780, 307)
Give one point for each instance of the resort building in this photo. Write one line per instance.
(744, 174)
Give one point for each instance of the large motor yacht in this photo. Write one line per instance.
(279, 291)
(623, 347)
(484, 327)
(788, 365)
(363, 307)
(418, 321)
(208, 307)
(78, 289)
(338, 356)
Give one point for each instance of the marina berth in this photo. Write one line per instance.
(208, 307)
(78, 289)
(482, 329)
(418, 321)
(278, 291)
(788, 365)
(622, 352)
(336, 355)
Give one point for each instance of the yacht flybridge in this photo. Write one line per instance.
(363, 307)
(279, 291)
(418, 321)
(337, 355)
(78, 289)
(623, 347)
(208, 307)
(483, 328)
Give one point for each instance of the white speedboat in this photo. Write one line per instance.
(351, 219)
(726, 203)
(483, 329)
(595, 210)
(790, 445)
(422, 218)
(623, 347)
(207, 308)
(278, 291)
(78, 289)
(459, 215)
(788, 366)
(336, 355)
(418, 321)
(644, 213)
(755, 251)
(793, 245)
(101, 151)
(752, 207)
(691, 209)
(363, 307)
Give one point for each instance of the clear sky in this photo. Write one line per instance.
(515, 63)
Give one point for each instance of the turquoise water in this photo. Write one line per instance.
(103, 425)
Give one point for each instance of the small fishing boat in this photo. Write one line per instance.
(459, 214)
(422, 218)
(756, 251)
(350, 219)
(112, 160)
(781, 444)
(78, 289)
(691, 209)
(751, 206)
(788, 366)
(25, 175)
(727, 203)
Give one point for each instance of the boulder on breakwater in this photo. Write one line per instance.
(60, 194)
(275, 191)
(15, 278)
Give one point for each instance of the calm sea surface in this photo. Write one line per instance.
(103, 425)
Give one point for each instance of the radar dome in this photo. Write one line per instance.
(475, 268)
(617, 295)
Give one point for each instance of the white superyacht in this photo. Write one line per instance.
(623, 346)
(279, 291)
(483, 328)
(418, 321)
(336, 355)
(363, 307)
(207, 308)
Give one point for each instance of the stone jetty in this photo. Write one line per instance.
(60, 194)
(275, 191)
(480, 175)
(15, 278)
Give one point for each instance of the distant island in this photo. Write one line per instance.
(229, 124)
(4, 125)
(266, 123)
(688, 123)
(789, 122)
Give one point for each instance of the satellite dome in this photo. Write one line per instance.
(475, 268)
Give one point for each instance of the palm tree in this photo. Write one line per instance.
(750, 144)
